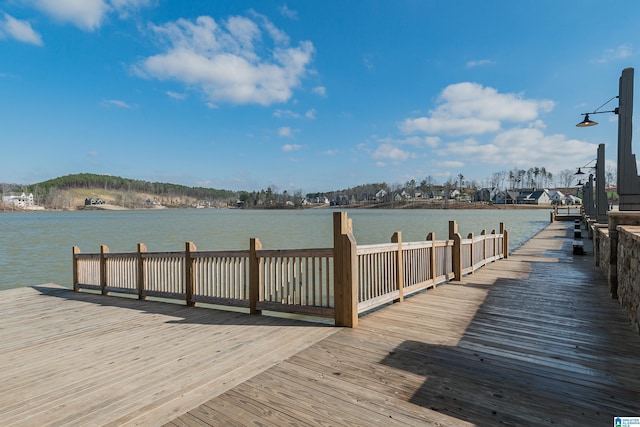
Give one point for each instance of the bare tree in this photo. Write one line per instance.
(610, 176)
(565, 178)
(460, 181)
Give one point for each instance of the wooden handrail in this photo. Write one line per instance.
(341, 282)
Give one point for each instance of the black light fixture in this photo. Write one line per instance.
(579, 183)
(587, 122)
(587, 166)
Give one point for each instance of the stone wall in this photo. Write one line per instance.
(602, 245)
(629, 272)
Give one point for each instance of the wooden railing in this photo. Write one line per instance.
(338, 282)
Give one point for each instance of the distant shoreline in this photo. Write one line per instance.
(394, 206)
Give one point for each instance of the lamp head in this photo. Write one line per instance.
(579, 172)
(586, 122)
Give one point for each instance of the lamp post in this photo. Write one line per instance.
(602, 205)
(628, 179)
(591, 205)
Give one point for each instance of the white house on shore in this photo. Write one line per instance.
(18, 200)
(529, 196)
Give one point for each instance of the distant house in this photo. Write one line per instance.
(432, 195)
(536, 197)
(381, 195)
(18, 200)
(316, 200)
(572, 200)
(341, 200)
(557, 197)
(453, 194)
(485, 195)
(93, 201)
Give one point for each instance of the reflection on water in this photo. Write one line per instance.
(37, 246)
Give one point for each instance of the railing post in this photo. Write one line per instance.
(103, 269)
(397, 238)
(456, 254)
(76, 250)
(494, 242)
(255, 287)
(483, 233)
(505, 241)
(142, 248)
(473, 264)
(345, 271)
(432, 267)
(188, 273)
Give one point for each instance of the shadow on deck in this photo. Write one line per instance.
(532, 340)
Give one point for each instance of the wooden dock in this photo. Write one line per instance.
(80, 359)
(531, 340)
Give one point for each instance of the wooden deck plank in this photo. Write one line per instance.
(531, 340)
(112, 360)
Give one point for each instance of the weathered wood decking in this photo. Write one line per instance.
(532, 340)
(78, 359)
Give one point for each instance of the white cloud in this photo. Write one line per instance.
(416, 141)
(469, 108)
(87, 15)
(392, 152)
(291, 147)
(621, 52)
(432, 141)
(230, 61)
(288, 13)
(523, 148)
(19, 30)
(285, 114)
(331, 152)
(285, 132)
(450, 126)
(367, 60)
(311, 114)
(125, 7)
(479, 63)
(320, 90)
(176, 95)
(115, 103)
(274, 32)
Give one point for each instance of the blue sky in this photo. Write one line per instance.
(307, 95)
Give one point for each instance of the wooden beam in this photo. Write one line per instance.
(255, 285)
(397, 238)
(345, 270)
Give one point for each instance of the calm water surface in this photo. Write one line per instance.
(37, 246)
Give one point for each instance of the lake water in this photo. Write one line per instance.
(37, 246)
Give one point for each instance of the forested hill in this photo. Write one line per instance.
(116, 183)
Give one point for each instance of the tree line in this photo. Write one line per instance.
(109, 182)
(47, 192)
